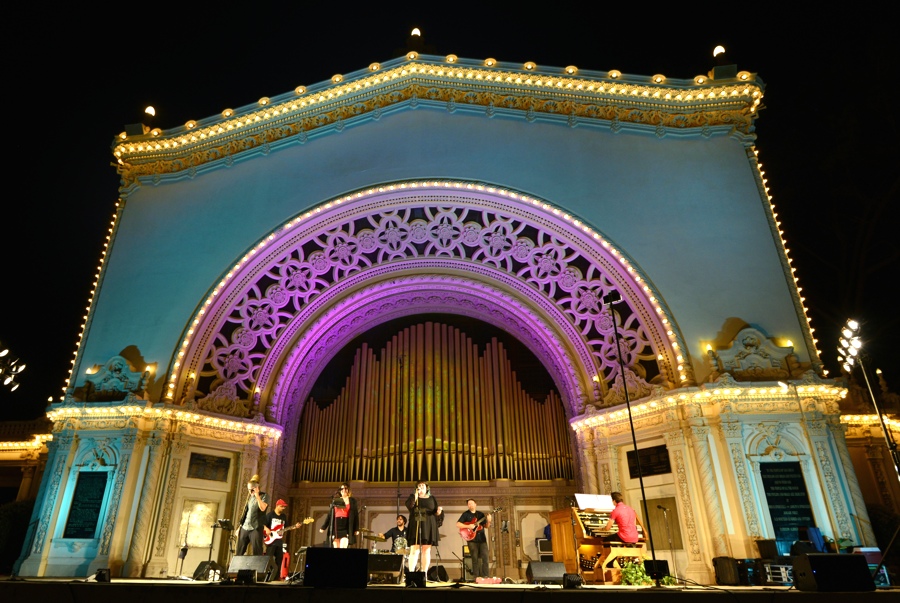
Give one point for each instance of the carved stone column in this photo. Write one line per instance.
(711, 505)
(138, 552)
(60, 449)
(158, 567)
(861, 514)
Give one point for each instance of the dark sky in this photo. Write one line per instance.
(827, 135)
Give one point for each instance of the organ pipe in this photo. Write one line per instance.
(432, 405)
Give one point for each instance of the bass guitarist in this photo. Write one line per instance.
(474, 521)
(276, 522)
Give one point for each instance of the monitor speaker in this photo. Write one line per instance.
(206, 568)
(726, 571)
(832, 572)
(263, 565)
(336, 568)
(656, 569)
(540, 572)
(437, 573)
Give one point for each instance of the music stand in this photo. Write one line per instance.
(226, 526)
(297, 576)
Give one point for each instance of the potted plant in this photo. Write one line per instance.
(634, 574)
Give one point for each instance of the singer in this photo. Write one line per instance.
(253, 520)
(342, 522)
(425, 517)
(626, 519)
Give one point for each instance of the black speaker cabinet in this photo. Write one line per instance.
(415, 579)
(263, 565)
(656, 569)
(726, 571)
(206, 568)
(832, 572)
(437, 573)
(542, 572)
(336, 568)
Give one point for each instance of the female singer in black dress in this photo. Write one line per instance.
(425, 517)
(343, 519)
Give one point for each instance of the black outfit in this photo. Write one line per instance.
(394, 534)
(342, 526)
(478, 546)
(423, 520)
(276, 549)
(251, 531)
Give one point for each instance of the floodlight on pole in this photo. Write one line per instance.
(850, 354)
(10, 368)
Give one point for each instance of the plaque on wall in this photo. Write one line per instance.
(208, 466)
(84, 512)
(787, 499)
(654, 461)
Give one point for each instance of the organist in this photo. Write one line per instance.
(626, 519)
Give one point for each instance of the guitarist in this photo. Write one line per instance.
(476, 521)
(276, 519)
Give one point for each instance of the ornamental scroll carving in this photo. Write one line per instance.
(114, 381)
(752, 356)
(476, 235)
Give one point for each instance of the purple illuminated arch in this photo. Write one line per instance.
(289, 305)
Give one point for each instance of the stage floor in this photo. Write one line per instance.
(124, 590)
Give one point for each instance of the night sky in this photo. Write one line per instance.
(827, 135)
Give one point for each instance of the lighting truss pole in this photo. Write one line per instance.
(613, 297)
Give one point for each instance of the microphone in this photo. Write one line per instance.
(662, 508)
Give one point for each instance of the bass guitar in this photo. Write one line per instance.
(475, 526)
(278, 534)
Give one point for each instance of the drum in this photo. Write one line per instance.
(400, 545)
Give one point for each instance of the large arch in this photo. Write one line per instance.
(284, 309)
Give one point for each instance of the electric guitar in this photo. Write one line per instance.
(278, 534)
(475, 526)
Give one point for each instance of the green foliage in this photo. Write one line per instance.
(634, 574)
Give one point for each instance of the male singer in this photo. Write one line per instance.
(253, 519)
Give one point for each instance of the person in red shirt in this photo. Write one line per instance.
(626, 518)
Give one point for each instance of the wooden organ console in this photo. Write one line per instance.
(576, 535)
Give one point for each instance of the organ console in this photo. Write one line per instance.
(576, 535)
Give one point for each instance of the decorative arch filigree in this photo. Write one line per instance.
(519, 250)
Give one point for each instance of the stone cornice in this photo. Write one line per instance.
(570, 97)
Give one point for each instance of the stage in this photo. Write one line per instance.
(126, 590)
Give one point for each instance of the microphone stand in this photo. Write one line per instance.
(669, 537)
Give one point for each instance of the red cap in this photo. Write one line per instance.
(280, 503)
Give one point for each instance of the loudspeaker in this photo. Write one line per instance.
(385, 564)
(263, 565)
(540, 572)
(726, 571)
(415, 579)
(102, 574)
(336, 568)
(832, 572)
(656, 569)
(571, 581)
(437, 573)
(205, 568)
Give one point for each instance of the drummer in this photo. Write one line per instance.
(397, 535)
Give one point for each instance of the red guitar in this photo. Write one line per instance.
(273, 535)
(475, 526)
